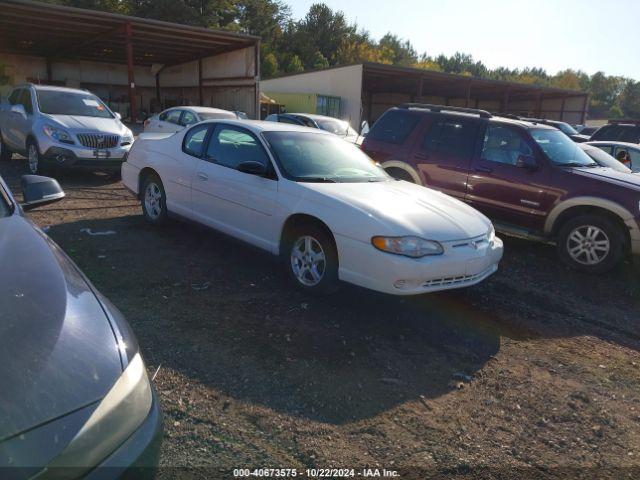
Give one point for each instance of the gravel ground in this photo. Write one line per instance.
(532, 374)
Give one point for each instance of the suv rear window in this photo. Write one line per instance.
(394, 126)
(620, 133)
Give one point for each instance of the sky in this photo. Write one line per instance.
(590, 35)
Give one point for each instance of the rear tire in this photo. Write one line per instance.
(5, 153)
(311, 260)
(153, 200)
(591, 243)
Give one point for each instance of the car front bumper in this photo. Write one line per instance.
(85, 158)
(364, 265)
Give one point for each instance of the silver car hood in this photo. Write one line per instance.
(76, 123)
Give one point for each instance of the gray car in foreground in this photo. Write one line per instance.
(75, 399)
(62, 128)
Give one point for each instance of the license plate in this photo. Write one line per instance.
(101, 153)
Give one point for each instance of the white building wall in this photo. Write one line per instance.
(343, 82)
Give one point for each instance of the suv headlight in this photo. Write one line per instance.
(127, 138)
(118, 415)
(58, 134)
(414, 247)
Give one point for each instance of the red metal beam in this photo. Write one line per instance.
(132, 86)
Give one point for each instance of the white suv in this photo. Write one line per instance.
(62, 127)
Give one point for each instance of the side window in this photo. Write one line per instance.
(630, 134)
(25, 100)
(163, 116)
(453, 137)
(14, 98)
(606, 148)
(635, 159)
(173, 116)
(307, 122)
(188, 118)
(230, 146)
(283, 119)
(504, 145)
(193, 143)
(394, 126)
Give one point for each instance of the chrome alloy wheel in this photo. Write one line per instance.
(588, 245)
(33, 157)
(308, 261)
(153, 201)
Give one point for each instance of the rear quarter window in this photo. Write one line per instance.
(394, 126)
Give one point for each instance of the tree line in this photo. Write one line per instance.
(325, 38)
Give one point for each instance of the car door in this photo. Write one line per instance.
(443, 154)
(509, 180)
(167, 122)
(237, 203)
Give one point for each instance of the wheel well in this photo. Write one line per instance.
(299, 220)
(402, 174)
(144, 173)
(573, 212)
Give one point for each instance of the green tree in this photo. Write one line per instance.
(268, 65)
(398, 51)
(295, 65)
(630, 99)
(319, 61)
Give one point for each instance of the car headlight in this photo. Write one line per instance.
(491, 235)
(127, 138)
(58, 134)
(414, 247)
(118, 415)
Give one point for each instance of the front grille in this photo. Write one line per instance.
(98, 140)
(458, 280)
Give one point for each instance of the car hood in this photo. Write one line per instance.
(609, 175)
(78, 123)
(403, 208)
(58, 352)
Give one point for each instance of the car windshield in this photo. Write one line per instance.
(214, 115)
(337, 127)
(560, 149)
(566, 128)
(605, 160)
(317, 157)
(57, 102)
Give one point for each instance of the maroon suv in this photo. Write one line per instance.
(530, 178)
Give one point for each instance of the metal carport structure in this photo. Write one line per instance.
(59, 35)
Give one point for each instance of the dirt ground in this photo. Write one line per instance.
(533, 373)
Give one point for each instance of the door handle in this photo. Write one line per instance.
(481, 168)
(202, 176)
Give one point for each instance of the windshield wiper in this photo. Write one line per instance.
(576, 164)
(317, 179)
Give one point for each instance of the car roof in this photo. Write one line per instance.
(259, 126)
(54, 88)
(314, 116)
(200, 109)
(614, 143)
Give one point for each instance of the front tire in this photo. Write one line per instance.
(591, 243)
(34, 159)
(312, 260)
(153, 200)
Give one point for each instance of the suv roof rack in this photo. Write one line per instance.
(511, 116)
(445, 108)
(624, 120)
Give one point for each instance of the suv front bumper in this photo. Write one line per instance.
(86, 158)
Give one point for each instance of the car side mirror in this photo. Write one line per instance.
(38, 191)
(527, 161)
(364, 128)
(19, 108)
(118, 115)
(253, 168)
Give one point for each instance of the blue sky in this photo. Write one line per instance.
(590, 35)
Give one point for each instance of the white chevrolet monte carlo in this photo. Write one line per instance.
(315, 200)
